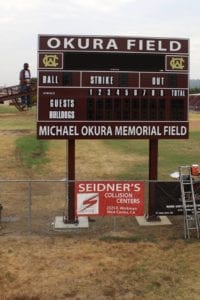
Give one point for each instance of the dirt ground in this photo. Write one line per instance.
(118, 265)
(111, 260)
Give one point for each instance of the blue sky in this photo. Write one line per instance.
(22, 20)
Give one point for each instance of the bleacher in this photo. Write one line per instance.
(13, 94)
(194, 102)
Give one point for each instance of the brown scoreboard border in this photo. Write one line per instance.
(104, 129)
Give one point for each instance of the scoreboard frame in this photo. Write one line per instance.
(110, 87)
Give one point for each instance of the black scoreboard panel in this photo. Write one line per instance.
(139, 109)
(101, 93)
(114, 61)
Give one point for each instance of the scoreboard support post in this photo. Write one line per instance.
(70, 214)
(153, 175)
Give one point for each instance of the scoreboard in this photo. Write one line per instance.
(92, 87)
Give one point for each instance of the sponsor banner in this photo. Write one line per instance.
(168, 198)
(110, 198)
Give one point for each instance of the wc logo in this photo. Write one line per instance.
(50, 61)
(177, 63)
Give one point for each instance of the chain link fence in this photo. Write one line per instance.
(30, 206)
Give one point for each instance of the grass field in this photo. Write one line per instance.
(129, 263)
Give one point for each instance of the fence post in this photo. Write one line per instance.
(114, 223)
(1, 207)
(30, 206)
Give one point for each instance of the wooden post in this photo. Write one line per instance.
(153, 175)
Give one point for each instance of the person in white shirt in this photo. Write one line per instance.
(25, 85)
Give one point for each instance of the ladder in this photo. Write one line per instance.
(191, 220)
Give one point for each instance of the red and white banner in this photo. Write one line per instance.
(110, 198)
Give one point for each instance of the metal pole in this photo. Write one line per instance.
(1, 207)
(153, 176)
(71, 218)
(114, 223)
(30, 206)
(65, 215)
